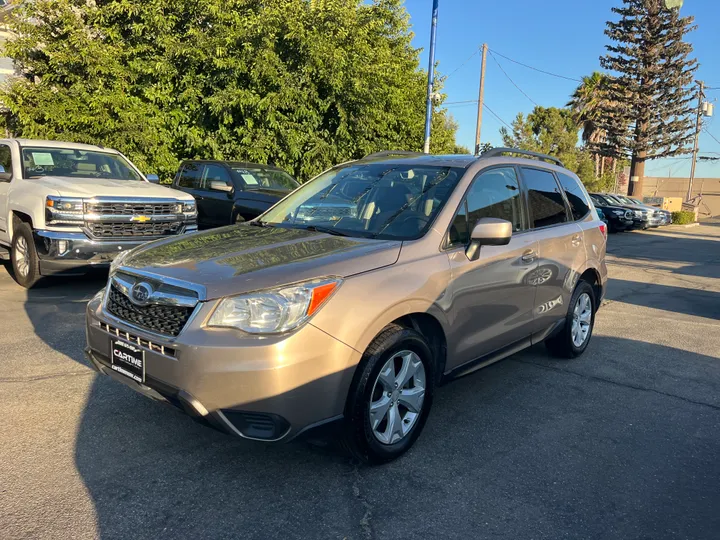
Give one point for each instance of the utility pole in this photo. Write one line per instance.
(431, 78)
(698, 127)
(480, 99)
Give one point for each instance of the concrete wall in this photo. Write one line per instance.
(677, 187)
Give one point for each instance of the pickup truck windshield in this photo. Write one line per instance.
(70, 163)
(257, 177)
(375, 200)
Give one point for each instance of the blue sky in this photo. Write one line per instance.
(558, 36)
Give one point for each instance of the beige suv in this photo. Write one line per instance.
(352, 298)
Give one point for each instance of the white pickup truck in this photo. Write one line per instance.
(67, 207)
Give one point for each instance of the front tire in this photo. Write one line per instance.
(573, 339)
(391, 396)
(25, 261)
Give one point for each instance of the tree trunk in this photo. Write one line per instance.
(597, 165)
(602, 166)
(637, 168)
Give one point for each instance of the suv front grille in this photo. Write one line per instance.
(131, 209)
(101, 229)
(162, 319)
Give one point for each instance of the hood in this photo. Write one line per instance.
(107, 187)
(243, 258)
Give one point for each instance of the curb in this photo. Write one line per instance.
(689, 225)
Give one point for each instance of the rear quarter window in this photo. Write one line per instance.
(576, 196)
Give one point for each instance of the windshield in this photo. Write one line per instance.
(68, 163)
(614, 200)
(375, 200)
(258, 177)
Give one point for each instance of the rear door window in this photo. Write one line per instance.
(190, 176)
(6, 158)
(576, 196)
(545, 200)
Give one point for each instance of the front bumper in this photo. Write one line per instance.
(232, 381)
(74, 253)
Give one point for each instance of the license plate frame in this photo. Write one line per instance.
(127, 359)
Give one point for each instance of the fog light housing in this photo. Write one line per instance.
(62, 247)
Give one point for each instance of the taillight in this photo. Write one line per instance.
(603, 230)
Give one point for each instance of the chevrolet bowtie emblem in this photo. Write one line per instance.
(141, 219)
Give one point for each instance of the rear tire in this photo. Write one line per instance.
(384, 416)
(573, 339)
(25, 261)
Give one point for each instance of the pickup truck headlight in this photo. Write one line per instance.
(63, 209)
(274, 310)
(189, 207)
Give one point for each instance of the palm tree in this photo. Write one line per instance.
(586, 105)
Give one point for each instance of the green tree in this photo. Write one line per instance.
(551, 131)
(302, 85)
(648, 113)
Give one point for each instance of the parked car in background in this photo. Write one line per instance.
(67, 207)
(618, 218)
(654, 215)
(275, 327)
(231, 191)
(666, 215)
(640, 218)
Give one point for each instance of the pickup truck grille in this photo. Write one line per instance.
(101, 229)
(162, 319)
(131, 209)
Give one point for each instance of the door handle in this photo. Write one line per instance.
(576, 240)
(529, 256)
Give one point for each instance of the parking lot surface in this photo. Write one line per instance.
(621, 443)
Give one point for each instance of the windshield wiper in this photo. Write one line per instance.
(328, 230)
(258, 223)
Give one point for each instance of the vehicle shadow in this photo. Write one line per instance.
(600, 447)
(502, 436)
(689, 301)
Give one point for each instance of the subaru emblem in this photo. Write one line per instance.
(140, 293)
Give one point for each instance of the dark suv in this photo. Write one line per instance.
(231, 191)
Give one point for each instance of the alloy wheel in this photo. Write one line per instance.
(582, 319)
(397, 397)
(22, 263)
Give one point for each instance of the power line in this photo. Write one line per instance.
(513, 82)
(460, 102)
(537, 69)
(713, 136)
(461, 65)
(496, 116)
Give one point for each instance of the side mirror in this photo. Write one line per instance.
(219, 185)
(488, 232)
(4, 176)
(153, 178)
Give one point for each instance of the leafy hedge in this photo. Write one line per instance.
(683, 218)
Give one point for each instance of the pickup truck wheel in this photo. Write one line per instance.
(391, 396)
(26, 265)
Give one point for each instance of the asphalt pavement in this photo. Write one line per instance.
(623, 442)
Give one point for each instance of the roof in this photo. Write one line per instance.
(64, 144)
(234, 163)
(449, 160)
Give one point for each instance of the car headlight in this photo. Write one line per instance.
(63, 209)
(117, 262)
(274, 310)
(189, 207)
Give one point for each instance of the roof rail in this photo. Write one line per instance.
(388, 153)
(494, 152)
